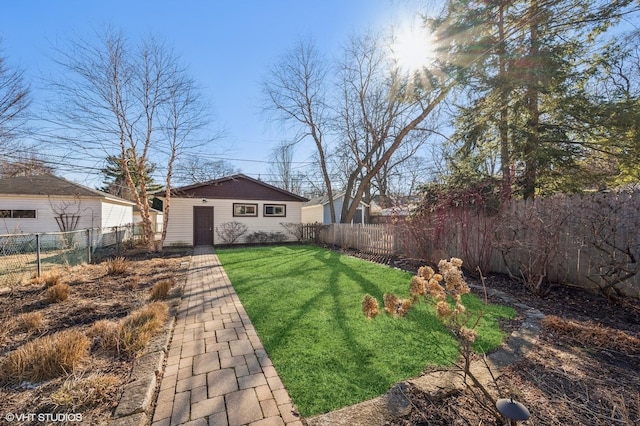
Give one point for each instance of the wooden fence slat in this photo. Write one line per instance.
(477, 238)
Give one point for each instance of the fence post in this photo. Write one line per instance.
(88, 245)
(39, 268)
(117, 241)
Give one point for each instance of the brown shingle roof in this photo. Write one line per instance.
(235, 187)
(48, 184)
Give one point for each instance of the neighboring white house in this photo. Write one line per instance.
(317, 210)
(155, 215)
(48, 203)
(195, 211)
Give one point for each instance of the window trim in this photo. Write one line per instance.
(283, 206)
(255, 209)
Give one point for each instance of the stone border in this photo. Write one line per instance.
(136, 403)
(394, 403)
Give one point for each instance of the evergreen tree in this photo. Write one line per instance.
(115, 181)
(518, 111)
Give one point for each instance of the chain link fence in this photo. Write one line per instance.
(23, 256)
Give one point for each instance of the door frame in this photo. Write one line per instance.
(210, 209)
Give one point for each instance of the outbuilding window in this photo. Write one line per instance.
(245, 209)
(277, 210)
(18, 214)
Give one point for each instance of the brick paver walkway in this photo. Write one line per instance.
(218, 372)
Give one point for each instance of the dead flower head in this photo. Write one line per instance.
(468, 334)
(369, 306)
(426, 272)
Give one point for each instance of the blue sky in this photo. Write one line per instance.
(227, 46)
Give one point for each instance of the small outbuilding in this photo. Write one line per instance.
(197, 211)
(317, 210)
(49, 203)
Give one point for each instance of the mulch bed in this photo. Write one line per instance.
(584, 369)
(95, 295)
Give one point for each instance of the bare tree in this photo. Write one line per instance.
(14, 102)
(134, 101)
(31, 166)
(281, 168)
(295, 91)
(382, 110)
(195, 169)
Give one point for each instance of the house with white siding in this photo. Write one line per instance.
(317, 210)
(48, 203)
(195, 211)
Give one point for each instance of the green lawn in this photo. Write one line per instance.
(305, 303)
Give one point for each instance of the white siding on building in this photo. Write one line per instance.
(180, 227)
(116, 214)
(313, 214)
(92, 212)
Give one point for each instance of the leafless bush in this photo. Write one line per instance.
(230, 232)
(295, 229)
(262, 237)
(530, 237)
(610, 223)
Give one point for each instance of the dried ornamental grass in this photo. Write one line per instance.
(58, 293)
(86, 392)
(370, 306)
(133, 332)
(161, 290)
(48, 278)
(30, 321)
(133, 283)
(117, 266)
(45, 358)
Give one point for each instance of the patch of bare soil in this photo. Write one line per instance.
(93, 389)
(583, 370)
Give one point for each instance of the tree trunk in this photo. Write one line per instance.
(505, 161)
(533, 131)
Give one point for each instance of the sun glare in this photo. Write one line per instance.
(413, 47)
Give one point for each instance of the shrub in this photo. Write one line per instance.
(262, 237)
(230, 232)
(133, 332)
(44, 358)
(117, 266)
(160, 290)
(30, 321)
(91, 391)
(57, 293)
(295, 229)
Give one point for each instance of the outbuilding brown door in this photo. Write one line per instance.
(202, 226)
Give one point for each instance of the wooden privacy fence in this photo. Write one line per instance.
(380, 239)
(592, 241)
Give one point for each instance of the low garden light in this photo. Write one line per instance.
(512, 410)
